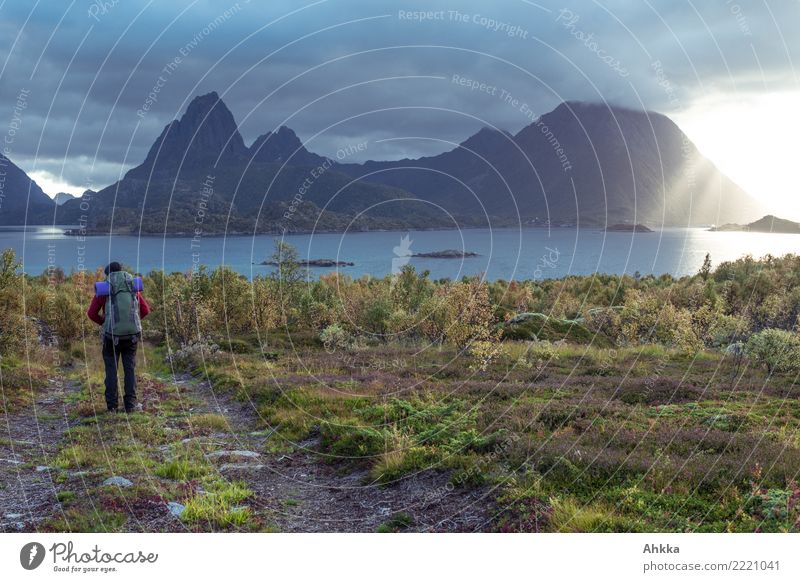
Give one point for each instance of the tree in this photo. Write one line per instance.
(288, 276)
(777, 349)
(705, 270)
(459, 313)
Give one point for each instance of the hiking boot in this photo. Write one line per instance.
(135, 408)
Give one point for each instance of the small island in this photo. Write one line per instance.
(446, 254)
(769, 223)
(314, 263)
(628, 228)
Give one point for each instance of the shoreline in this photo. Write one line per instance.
(67, 231)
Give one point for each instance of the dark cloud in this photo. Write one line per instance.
(343, 71)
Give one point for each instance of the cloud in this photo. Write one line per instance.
(343, 71)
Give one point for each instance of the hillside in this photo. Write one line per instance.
(21, 200)
(580, 163)
(587, 163)
(768, 223)
(199, 174)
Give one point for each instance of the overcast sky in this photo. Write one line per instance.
(75, 76)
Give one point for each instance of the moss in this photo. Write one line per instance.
(397, 523)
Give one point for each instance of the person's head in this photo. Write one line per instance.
(112, 267)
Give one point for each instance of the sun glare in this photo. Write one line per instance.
(753, 140)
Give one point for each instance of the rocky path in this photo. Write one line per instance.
(29, 439)
(304, 493)
(295, 492)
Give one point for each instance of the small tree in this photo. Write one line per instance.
(288, 276)
(285, 259)
(705, 270)
(777, 349)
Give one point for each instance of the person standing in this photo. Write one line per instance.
(120, 314)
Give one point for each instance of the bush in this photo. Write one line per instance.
(12, 320)
(335, 337)
(459, 313)
(776, 349)
(193, 355)
(538, 326)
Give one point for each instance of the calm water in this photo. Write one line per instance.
(504, 253)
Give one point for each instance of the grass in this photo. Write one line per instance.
(566, 437)
(399, 522)
(208, 423)
(182, 469)
(66, 497)
(570, 516)
(637, 438)
(219, 506)
(76, 520)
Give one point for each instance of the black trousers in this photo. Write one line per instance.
(126, 350)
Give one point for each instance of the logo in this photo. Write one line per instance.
(31, 555)
(402, 255)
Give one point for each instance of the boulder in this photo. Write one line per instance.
(118, 481)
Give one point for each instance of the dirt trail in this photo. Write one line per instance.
(29, 439)
(304, 493)
(297, 492)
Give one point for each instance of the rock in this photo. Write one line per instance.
(13, 516)
(447, 254)
(176, 508)
(244, 454)
(42, 468)
(11, 461)
(315, 263)
(118, 481)
(262, 433)
(628, 228)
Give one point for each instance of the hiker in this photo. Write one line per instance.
(122, 329)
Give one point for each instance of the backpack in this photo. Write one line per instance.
(122, 307)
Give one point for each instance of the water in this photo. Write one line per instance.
(529, 253)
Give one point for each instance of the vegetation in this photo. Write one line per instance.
(599, 403)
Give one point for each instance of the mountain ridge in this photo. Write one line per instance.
(581, 163)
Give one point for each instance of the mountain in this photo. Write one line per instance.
(580, 163)
(62, 197)
(199, 175)
(21, 200)
(283, 146)
(768, 223)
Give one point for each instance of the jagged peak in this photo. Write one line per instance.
(281, 145)
(205, 131)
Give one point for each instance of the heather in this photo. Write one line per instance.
(591, 403)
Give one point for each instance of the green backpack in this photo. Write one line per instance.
(122, 307)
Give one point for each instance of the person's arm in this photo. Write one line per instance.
(144, 308)
(97, 305)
